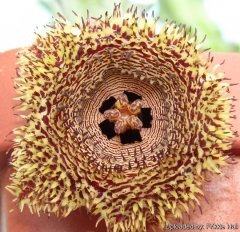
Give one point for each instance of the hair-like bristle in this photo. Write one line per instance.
(61, 159)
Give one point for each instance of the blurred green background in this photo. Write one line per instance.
(190, 12)
(218, 19)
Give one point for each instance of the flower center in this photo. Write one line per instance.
(123, 117)
(124, 114)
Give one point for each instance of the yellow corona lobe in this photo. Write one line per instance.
(157, 87)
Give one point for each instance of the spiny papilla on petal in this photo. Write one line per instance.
(62, 160)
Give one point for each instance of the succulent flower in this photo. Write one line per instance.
(120, 119)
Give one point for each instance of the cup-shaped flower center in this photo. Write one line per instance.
(124, 116)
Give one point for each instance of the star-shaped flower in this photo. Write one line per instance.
(82, 84)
